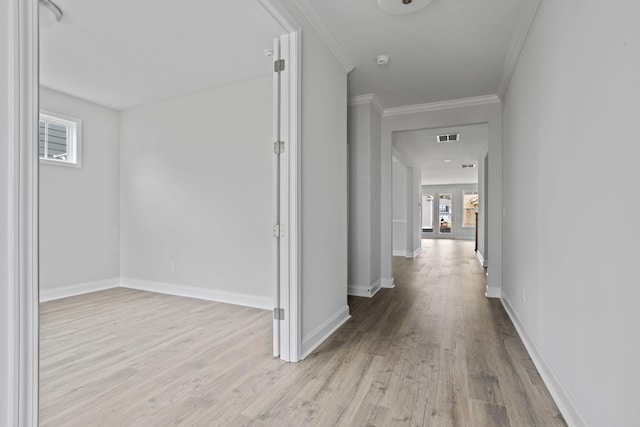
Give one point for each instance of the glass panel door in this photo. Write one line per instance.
(445, 214)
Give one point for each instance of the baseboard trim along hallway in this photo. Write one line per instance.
(364, 291)
(324, 331)
(561, 397)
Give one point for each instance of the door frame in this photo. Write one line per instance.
(22, 365)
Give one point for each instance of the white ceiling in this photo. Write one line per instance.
(419, 149)
(451, 49)
(122, 53)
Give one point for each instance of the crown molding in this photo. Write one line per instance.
(280, 14)
(370, 98)
(517, 43)
(309, 12)
(442, 105)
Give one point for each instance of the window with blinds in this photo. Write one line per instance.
(58, 141)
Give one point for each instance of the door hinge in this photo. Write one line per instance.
(278, 147)
(278, 231)
(278, 313)
(278, 65)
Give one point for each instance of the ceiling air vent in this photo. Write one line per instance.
(450, 137)
(468, 165)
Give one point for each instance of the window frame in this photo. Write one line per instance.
(74, 139)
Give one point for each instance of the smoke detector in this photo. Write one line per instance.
(402, 7)
(382, 59)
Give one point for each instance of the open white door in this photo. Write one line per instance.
(285, 314)
(277, 310)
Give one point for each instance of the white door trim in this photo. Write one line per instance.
(23, 214)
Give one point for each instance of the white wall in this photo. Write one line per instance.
(359, 137)
(427, 212)
(79, 207)
(490, 113)
(324, 186)
(570, 131)
(376, 197)
(414, 203)
(196, 190)
(482, 210)
(399, 178)
(458, 190)
(364, 125)
(406, 209)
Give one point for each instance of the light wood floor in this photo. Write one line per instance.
(433, 351)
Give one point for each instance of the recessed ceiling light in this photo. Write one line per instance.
(382, 59)
(447, 161)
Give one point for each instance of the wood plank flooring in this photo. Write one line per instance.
(433, 351)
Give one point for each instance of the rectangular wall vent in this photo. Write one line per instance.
(468, 166)
(450, 137)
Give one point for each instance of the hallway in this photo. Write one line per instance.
(433, 351)
(452, 356)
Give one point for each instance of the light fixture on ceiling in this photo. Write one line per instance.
(447, 161)
(382, 59)
(49, 13)
(402, 7)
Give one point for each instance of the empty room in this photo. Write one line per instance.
(159, 189)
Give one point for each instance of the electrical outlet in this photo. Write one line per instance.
(172, 267)
(524, 296)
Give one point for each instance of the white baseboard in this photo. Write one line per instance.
(364, 291)
(358, 291)
(563, 399)
(483, 262)
(408, 254)
(415, 253)
(324, 331)
(79, 289)
(493, 292)
(376, 287)
(265, 303)
(387, 282)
